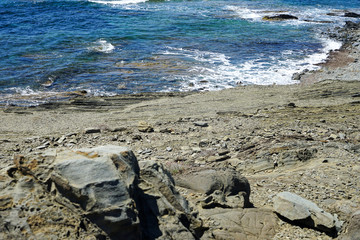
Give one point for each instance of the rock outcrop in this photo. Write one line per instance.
(164, 213)
(280, 17)
(94, 192)
(247, 224)
(102, 182)
(304, 212)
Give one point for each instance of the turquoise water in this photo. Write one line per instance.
(50, 47)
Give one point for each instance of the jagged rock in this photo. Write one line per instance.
(353, 229)
(28, 211)
(280, 17)
(247, 224)
(105, 192)
(165, 214)
(229, 182)
(102, 181)
(304, 212)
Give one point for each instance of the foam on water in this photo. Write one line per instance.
(103, 46)
(220, 72)
(122, 2)
(214, 45)
(244, 12)
(25, 96)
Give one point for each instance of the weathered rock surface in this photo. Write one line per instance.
(29, 211)
(102, 181)
(103, 187)
(165, 214)
(302, 211)
(247, 224)
(219, 184)
(353, 229)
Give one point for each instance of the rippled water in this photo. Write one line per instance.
(112, 47)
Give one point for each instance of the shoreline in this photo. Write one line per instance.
(309, 130)
(304, 77)
(342, 64)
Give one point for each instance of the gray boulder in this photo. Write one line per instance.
(224, 188)
(101, 181)
(353, 229)
(304, 212)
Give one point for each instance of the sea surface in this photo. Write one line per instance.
(107, 47)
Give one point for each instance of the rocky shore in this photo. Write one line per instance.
(253, 162)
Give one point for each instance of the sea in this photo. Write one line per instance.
(50, 49)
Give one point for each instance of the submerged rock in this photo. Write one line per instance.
(280, 17)
(351, 15)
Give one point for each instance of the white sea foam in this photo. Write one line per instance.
(219, 72)
(122, 2)
(103, 46)
(244, 13)
(25, 96)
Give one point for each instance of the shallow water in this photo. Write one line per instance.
(113, 47)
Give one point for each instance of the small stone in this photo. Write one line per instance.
(145, 127)
(92, 130)
(292, 105)
(201, 124)
(203, 143)
(333, 137)
(118, 129)
(61, 139)
(226, 138)
(45, 145)
(224, 152)
(342, 136)
(234, 162)
(169, 149)
(167, 130)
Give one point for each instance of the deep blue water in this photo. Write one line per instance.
(49, 47)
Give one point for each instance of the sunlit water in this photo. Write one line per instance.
(49, 47)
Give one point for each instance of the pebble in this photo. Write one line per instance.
(92, 130)
(45, 145)
(201, 124)
(61, 139)
(118, 129)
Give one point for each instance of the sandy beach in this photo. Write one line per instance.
(302, 138)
